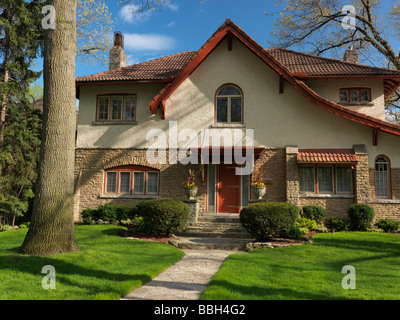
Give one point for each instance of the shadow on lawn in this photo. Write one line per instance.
(255, 292)
(66, 271)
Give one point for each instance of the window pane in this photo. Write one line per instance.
(125, 182)
(103, 108)
(222, 110)
(325, 179)
(344, 96)
(229, 91)
(116, 112)
(138, 183)
(344, 179)
(382, 178)
(236, 110)
(365, 97)
(354, 95)
(307, 179)
(130, 106)
(111, 182)
(152, 182)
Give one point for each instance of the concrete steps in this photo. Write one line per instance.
(214, 231)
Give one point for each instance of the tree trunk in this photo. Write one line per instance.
(52, 226)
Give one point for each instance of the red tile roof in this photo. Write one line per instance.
(153, 70)
(327, 156)
(311, 65)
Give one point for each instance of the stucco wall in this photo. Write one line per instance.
(278, 119)
(329, 89)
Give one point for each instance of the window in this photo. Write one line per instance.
(229, 105)
(116, 108)
(326, 179)
(307, 180)
(382, 177)
(355, 95)
(131, 180)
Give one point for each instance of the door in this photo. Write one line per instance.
(228, 189)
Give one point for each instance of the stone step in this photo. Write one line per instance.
(239, 235)
(208, 228)
(203, 243)
(219, 218)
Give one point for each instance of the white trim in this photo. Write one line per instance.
(119, 181)
(147, 182)
(133, 183)
(116, 182)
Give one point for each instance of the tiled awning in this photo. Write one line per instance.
(326, 156)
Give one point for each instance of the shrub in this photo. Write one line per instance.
(337, 224)
(163, 216)
(305, 223)
(361, 217)
(24, 225)
(388, 225)
(295, 233)
(316, 213)
(108, 213)
(268, 219)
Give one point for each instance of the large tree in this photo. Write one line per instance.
(328, 27)
(52, 227)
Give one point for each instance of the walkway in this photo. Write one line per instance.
(185, 280)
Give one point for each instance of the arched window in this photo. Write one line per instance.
(382, 181)
(229, 104)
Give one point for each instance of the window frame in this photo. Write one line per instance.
(123, 107)
(351, 180)
(131, 170)
(314, 176)
(334, 179)
(229, 108)
(106, 182)
(389, 177)
(359, 102)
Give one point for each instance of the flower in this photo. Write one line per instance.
(190, 183)
(259, 185)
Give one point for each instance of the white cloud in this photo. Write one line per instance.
(173, 7)
(148, 42)
(172, 23)
(128, 14)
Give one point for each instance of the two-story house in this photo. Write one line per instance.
(318, 128)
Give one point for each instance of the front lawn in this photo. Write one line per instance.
(107, 267)
(313, 271)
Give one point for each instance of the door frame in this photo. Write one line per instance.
(214, 208)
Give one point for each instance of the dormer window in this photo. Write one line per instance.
(229, 104)
(355, 95)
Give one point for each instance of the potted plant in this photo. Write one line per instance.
(258, 186)
(191, 188)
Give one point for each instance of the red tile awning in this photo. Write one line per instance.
(327, 156)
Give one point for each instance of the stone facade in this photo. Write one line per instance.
(279, 167)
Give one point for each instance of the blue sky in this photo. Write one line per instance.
(185, 25)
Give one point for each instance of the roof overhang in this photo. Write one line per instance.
(327, 156)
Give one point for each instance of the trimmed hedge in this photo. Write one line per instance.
(163, 216)
(337, 224)
(388, 225)
(361, 216)
(313, 212)
(269, 219)
(108, 213)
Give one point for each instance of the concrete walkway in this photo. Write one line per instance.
(185, 280)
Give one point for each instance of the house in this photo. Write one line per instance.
(317, 124)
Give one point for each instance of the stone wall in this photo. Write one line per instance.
(89, 178)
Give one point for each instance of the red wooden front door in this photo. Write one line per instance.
(228, 188)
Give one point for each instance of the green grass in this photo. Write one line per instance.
(107, 267)
(313, 271)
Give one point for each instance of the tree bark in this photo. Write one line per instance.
(52, 226)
